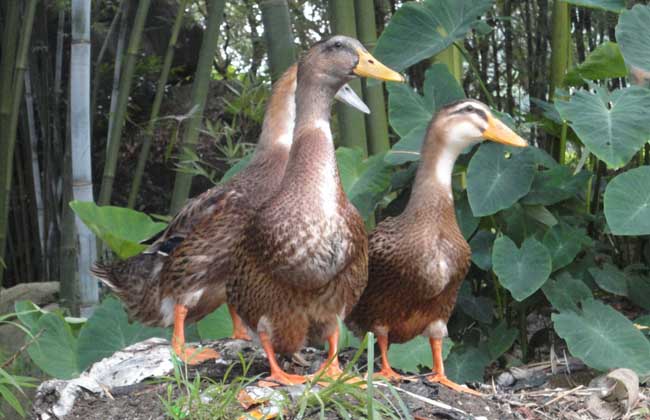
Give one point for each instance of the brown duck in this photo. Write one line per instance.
(303, 258)
(418, 260)
(181, 276)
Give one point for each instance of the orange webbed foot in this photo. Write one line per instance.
(240, 335)
(389, 374)
(443, 380)
(192, 356)
(281, 378)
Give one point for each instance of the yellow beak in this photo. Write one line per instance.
(501, 133)
(369, 66)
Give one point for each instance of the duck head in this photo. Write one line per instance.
(338, 60)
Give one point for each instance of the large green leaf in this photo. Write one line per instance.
(611, 5)
(613, 126)
(603, 338)
(555, 185)
(216, 325)
(604, 62)
(466, 364)
(364, 181)
(412, 355)
(120, 228)
(610, 279)
(55, 350)
(466, 220)
(639, 290)
(108, 330)
(521, 270)
(633, 36)
(627, 202)
(497, 177)
(500, 340)
(236, 168)
(419, 30)
(481, 245)
(409, 113)
(565, 292)
(563, 242)
(480, 308)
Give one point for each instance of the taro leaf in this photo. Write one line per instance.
(565, 292)
(555, 185)
(346, 337)
(500, 340)
(466, 220)
(120, 228)
(419, 30)
(466, 364)
(216, 325)
(633, 36)
(540, 214)
(481, 245)
(28, 313)
(610, 279)
(603, 338)
(479, 308)
(55, 350)
(415, 353)
(521, 270)
(409, 113)
(627, 202)
(365, 181)
(611, 5)
(639, 290)
(108, 330)
(613, 126)
(563, 242)
(604, 62)
(549, 111)
(497, 177)
(236, 168)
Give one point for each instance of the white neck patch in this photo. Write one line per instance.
(458, 138)
(328, 190)
(285, 137)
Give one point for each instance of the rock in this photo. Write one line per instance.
(40, 293)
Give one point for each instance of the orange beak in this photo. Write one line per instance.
(369, 66)
(501, 133)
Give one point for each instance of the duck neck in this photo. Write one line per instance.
(432, 186)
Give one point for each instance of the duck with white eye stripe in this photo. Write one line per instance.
(417, 260)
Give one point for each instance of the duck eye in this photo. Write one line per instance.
(469, 108)
(338, 44)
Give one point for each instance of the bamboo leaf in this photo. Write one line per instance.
(419, 30)
(627, 202)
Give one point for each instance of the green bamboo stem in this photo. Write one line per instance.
(452, 58)
(6, 160)
(123, 98)
(560, 59)
(155, 108)
(352, 127)
(278, 35)
(376, 121)
(200, 89)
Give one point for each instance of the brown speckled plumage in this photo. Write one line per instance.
(303, 256)
(188, 263)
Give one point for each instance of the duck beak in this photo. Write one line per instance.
(369, 66)
(348, 96)
(501, 133)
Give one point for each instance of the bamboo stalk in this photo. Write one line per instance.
(36, 170)
(452, 58)
(560, 58)
(81, 151)
(155, 108)
(278, 35)
(117, 70)
(200, 89)
(6, 158)
(352, 127)
(122, 102)
(376, 121)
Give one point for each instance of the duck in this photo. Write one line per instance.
(418, 260)
(302, 259)
(180, 277)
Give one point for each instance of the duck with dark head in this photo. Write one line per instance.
(418, 260)
(302, 260)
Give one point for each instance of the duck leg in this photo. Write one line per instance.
(330, 367)
(188, 355)
(277, 374)
(239, 331)
(439, 370)
(386, 371)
